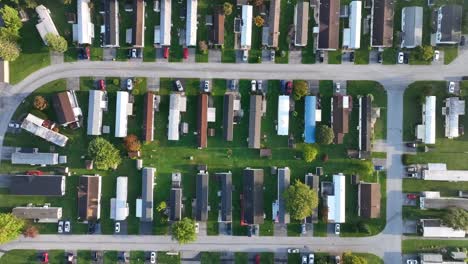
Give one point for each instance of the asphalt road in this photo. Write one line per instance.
(395, 79)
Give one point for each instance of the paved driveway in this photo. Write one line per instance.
(214, 55)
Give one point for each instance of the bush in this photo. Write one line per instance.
(324, 135)
(40, 103)
(116, 82)
(310, 153)
(300, 90)
(131, 143)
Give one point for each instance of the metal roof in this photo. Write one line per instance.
(449, 20)
(123, 110)
(45, 23)
(96, 105)
(43, 214)
(85, 27)
(191, 23)
(201, 207)
(255, 121)
(283, 115)
(309, 119)
(284, 175)
(36, 158)
(246, 31)
(301, 23)
(427, 131)
(121, 206)
(411, 26)
(165, 22)
(44, 185)
(33, 124)
(355, 22)
(337, 203)
(147, 187)
(252, 199)
(454, 107)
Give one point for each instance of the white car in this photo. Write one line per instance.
(436, 55)
(337, 259)
(67, 227)
(179, 86)
(401, 57)
(337, 229)
(197, 228)
(153, 257)
(304, 259)
(272, 55)
(311, 258)
(451, 87)
(259, 85)
(337, 87)
(245, 55)
(117, 227)
(411, 261)
(60, 227)
(253, 85)
(293, 250)
(129, 84)
(134, 53)
(206, 86)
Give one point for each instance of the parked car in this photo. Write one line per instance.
(304, 259)
(253, 85)
(337, 229)
(272, 55)
(293, 250)
(67, 227)
(462, 41)
(337, 259)
(412, 175)
(232, 84)
(129, 84)
(257, 259)
(153, 257)
(321, 56)
(13, 125)
(378, 168)
(255, 230)
(117, 227)
(311, 258)
(401, 56)
(451, 87)
(245, 55)
(379, 57)
(94, 255)
(34, 173)
(197, 228)
(465, 78)
(259, 85)
(206, 86)
(166, 52)
(337, 87)
(186, 53)
(179, 86)
(351, 57)
(133, 53)
(405, 58)
(249, 231)
(411, 145)
(303, 229)
(411, 261)
(436, 55)
(88, 52)
(411, 169)
(69, 258)
(45, 257)
(60, 227)
(102, 85)
(411, 196)
(289, 88)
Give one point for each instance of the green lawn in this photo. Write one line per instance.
(240, 258)
(152, 19)
(110, 257)
(286, 19)
(414, 213)
(84, 257)
(176, 51)
(445, 188)
(389, 56)
(450, 53)
(371, 259)
(137, 257)
(334, 57)
(267, 258)
(20, 257)
(320, 229)
(413, 246)
(228, 54)
(308, 53)
(210, 258)
(163, 258)
(294, 258)
(361, 55)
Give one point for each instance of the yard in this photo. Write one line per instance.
(413, 246)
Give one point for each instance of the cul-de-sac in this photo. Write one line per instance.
(233, 131)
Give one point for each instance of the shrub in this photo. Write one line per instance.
(310, 153)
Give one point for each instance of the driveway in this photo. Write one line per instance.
(409, 227)
(56, 58)
(109, 54)
(295, 57)
(153, 84)
(280, 230)
(214, 55)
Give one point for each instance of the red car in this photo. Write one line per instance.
(289, 88)
(257, 259)
(102, 85)
(34, 172)
(88, 52)
(45, 257)
(166, 52)
(411, 196)
(186, 53)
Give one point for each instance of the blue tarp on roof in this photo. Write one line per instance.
(309, 119)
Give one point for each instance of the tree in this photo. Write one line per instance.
(10, 227)
(184, 231)
(427, 52)
(161, 207)
(227, 7)
(349, 258)
(202, 46)
(9, 50)
(67, 2)
(56, 43)
(31, 3)
(456, 218)
(300, 89)
(31, 231)
(300, 200)
(12, 23)
(310, 153)
(40, 103)
(324, 135)
(131, 143)
(104, 154)
(257, 2)
(259, 21)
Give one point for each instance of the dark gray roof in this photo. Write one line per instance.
(313, 181)
(284, 175)
(329, 26)
(175, 204)
(44, 185)
(365, 124)
(449, 29)
(412, 26)
(301, 23)
(228, 119)
(252, 203)
(382, 23)
(226, 196)
(111, 22)
(138, 23)
(147, 184)
(255, 121)
(201, 213)
(89, 198)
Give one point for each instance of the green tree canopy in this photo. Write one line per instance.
(456, 218)
(227, 7)
(184, 231)
(324, 135)
(9, 51)
(300, 89)
(56, 43)
(310, 153)
(104, 154)
(12, 23)
(427, 52)
(300, 200)
(349, 258)
(10, 227)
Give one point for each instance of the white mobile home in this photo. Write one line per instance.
(119, 205)
(165, 23)
(84, 28)
(336, 202)
(246, 29)
(191, 26)
(124, 108)
(283, 115)
(426, 132)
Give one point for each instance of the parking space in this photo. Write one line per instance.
(295, 56)
(281, 258)
(340, 87)
(439, 60)
(266, 56)
(97, 257)
(123, 257)
(347, 58)
(160, 55)
(56, 58)
(73, 83)
(7, 151)
(135, 54)
(233, 85)
(153, 84)
(121, 227)
(239, 56)
(109, 54)
(309, 230)
(410, 227)
(5, 181)
(280, 230)
(189, 257)
(191, 55)
(374, 56)
(331, 230)
(410, 199)
(225, 229)
(202, 229)
(214, 55)
(146, 228)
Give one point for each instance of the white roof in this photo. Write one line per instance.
(337, 203)
(121, 205)
(46, 24)
(246, 30)
(445, 175)
(85, 27)
(346, 37)
(442, 231)
(355, 18)
(191, 23)
(437, 166)
(427, 131)
(37, 158)
(176, 105)
(211, 114)
(33, 124)
(123, 109)
(283, 115)
(95, 107)
(454, 107)
(157, 35)
(165, 22)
